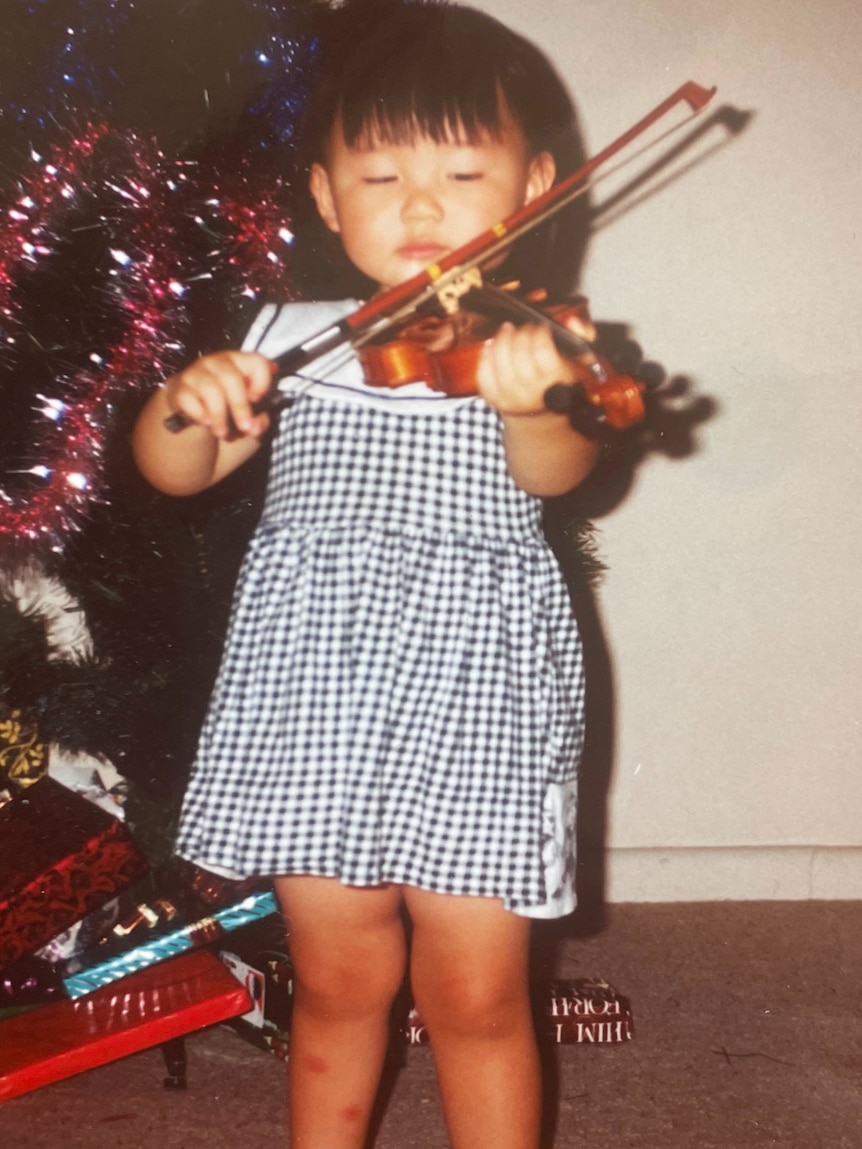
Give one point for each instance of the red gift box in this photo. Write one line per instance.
(150, 1007)
(60, 857)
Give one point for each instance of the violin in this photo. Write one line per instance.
(398, 341)
(444, 352)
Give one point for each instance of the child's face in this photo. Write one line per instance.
(399, 207)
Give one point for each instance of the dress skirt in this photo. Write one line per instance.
(401, 693)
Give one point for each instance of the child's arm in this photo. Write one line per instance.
(211, 393)
(546, 456)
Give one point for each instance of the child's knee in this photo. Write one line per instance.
(349, 982)
(473, 1009)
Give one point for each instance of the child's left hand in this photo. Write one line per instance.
(520, 364)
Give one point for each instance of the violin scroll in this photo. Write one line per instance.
(616, 402)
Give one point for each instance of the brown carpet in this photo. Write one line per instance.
(748, 1033)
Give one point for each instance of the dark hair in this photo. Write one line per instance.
(393, 69)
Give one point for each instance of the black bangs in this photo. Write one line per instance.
(434, 90)
(405, 116)
(394, 70)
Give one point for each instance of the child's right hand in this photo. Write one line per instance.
(217, 392)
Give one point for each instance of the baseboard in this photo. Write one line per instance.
(757, 873)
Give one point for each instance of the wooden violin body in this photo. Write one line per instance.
(444, 352)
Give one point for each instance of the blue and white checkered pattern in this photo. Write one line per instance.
(401, 694)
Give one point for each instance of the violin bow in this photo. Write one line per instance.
(451, 274)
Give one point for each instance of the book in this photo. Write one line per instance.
(585, 1010)
(568, 1012)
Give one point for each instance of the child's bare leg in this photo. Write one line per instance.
(348, 950)
(469, 976)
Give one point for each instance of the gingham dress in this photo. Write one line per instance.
(401, 693)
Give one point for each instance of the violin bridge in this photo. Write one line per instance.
(450, 295)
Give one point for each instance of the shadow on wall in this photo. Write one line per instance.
(675, 412)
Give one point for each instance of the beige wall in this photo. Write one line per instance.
(732, 608)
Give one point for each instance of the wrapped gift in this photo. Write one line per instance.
(257, 957)
(86, 933)
(30, 981)
(213, 890)
(148, 1008)
(87, 972)
(14, 1011)
(23, 756)
(60, 858)
(170, 896)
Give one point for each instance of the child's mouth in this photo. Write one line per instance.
(422, 252)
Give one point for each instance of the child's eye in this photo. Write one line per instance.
(464, 177)
(379, 179)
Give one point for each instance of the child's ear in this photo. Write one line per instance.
(321, 190)
(541, 175)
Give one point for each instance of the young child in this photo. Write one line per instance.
(398, 716)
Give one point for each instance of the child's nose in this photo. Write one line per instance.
(421, 203)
